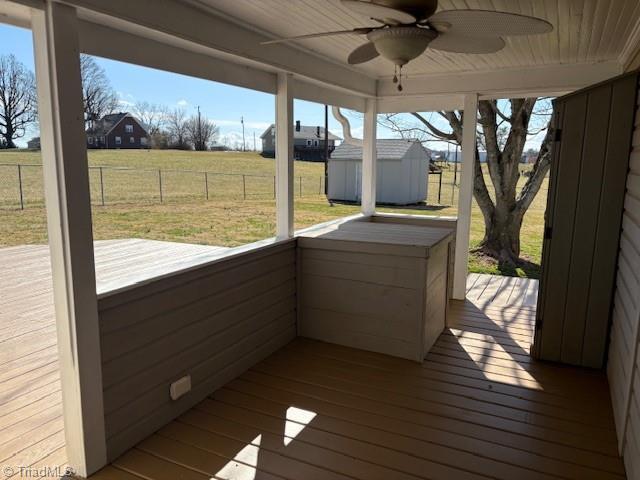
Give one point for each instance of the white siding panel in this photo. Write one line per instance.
(212, 323)
(622, 370)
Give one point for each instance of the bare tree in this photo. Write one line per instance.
(18, 105)
(202, 131)
(152, 115)
(98, 96)
(504, 129)
(177, 129)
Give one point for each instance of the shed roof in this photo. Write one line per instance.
(387, 149)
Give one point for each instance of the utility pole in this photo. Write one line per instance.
(254, 142)
(244, 149)
(198, 144)
(455, 171)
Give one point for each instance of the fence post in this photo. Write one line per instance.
(453, 193)
(206, 185)
(244, 187)
(101, 187)
(20, 187)
(439, 187)
(320, 186)
(160, 183)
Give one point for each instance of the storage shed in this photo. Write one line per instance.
(402, 172)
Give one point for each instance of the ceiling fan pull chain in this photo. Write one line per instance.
(395, 74)
(400, 78)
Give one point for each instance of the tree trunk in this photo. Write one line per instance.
(8, 137)
(502, 234)
(503, 135)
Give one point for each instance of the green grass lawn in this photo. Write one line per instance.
(239, 209)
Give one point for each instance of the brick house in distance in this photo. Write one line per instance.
(117, 130)
(308, 142)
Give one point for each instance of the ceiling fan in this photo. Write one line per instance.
(408, 27)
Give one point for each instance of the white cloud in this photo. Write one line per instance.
(182, 103)
(125, 99)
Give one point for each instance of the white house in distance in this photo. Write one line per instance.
(402, 174)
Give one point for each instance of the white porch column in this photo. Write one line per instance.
(66, 183)
(369, 157)
(284, 156)
(465, 196)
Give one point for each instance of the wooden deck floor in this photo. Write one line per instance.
(31, 429)
(478, 407)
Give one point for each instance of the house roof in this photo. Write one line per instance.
(305, 132)
(387, 149)
(106, 123)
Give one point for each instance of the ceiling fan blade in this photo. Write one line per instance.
(362, 54)
(357, 31)
(451, 42)
(487, 23)
(376, 11)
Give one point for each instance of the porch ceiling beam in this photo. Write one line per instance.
(173, 54)
(68, 202)
(313, 92)
(184, 22)
(18, 14)
(465, 198)
(420, 103)
(549, 80)
(184, 59)
(193, 60)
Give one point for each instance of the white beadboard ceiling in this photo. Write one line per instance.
(585, 31)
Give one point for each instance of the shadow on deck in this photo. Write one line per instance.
(478, 407)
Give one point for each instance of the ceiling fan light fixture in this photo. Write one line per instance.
(400, 45)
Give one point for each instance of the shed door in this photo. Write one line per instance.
(582, 227)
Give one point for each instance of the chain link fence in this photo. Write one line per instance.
(21, 186)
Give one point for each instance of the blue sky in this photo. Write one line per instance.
(224, 104)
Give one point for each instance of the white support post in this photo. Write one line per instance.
(465, 196)
(284, 156)
(66, 183)
(369, 157)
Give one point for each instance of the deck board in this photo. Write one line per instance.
(478, 407)
(30, 399)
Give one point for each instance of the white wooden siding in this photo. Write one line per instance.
(218, 321)
(624, 355)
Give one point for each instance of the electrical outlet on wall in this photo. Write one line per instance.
(180, 387)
